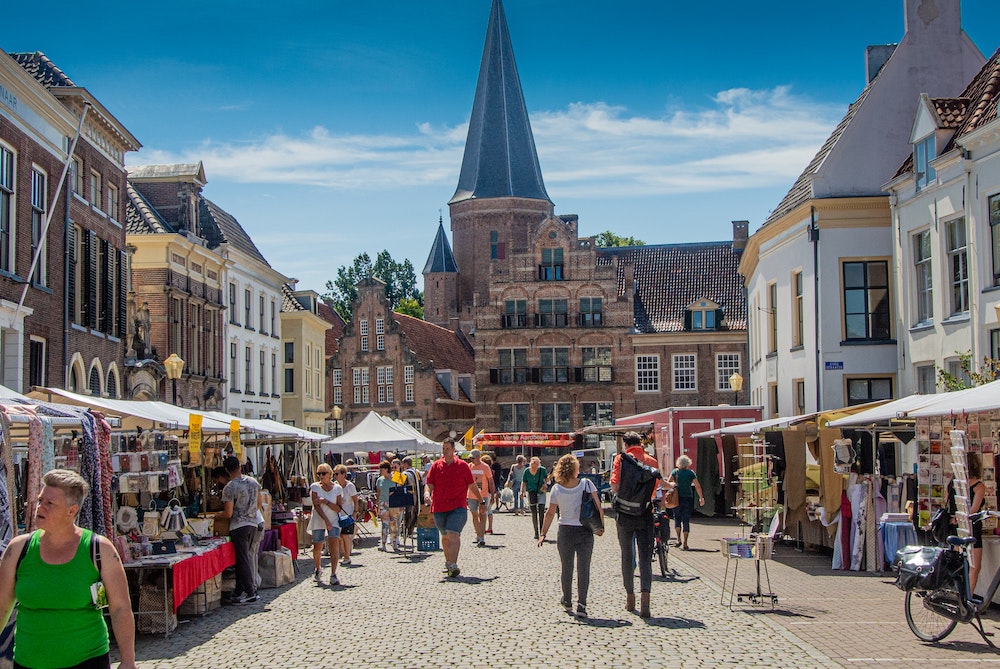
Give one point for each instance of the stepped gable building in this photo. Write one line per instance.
(403, 367)
(69, 331)
(567, 334)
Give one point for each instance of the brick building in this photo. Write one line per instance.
(70, 329)
(403, 367)
(567, 334)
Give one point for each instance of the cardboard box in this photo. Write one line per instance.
(276, 568)
(206, 597)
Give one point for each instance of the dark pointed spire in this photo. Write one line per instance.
(441, 258)
(500, 158)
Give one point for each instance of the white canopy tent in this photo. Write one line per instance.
(755, 426)
(970, 400)
(424, 442)
(373, 433)
(883, 413)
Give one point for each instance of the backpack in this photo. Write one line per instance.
(635, 486)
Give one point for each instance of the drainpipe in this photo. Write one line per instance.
(814, 238)
(969, 202)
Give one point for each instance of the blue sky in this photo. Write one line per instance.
(335, 128)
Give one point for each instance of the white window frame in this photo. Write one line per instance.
(924, 151)
(113, 202)
(956, 236)
(725, 365)
(647, 373)
(39, 208)
(685, 372)
(923, 276)
(8, 202)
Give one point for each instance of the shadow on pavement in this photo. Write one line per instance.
(675, 577)
(608, 623)
(469, 580)
(675, 623)
(776, 612)
(978, 647)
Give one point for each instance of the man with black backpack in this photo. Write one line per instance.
(634, 480)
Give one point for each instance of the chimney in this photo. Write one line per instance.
(943, 18)
(740, 234)
(875, 57)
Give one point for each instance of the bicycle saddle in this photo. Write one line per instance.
(961, 541)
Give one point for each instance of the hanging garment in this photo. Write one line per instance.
(707, 471)
(887, 458)
(106, 475)
(48, 446)
(864, 445)
(894, 495)
(856, 495)
(33, 472)
(91, 515)
(880, 509)
(776, 449)
(7, 521)
(794, 479)
(729, 484)
(831, 483)
(846, 529)
(838, 551)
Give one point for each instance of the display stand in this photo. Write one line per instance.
(753, 505)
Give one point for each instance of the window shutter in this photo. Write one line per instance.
(494, 376)
(92, 274)
(536, 374)
(718, 319)
(501, 250)
(106, 320)
(71, 273)
(578, 374)
(122, 295)
(687, 320)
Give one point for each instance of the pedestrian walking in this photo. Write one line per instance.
(324, 526)
(515, 477)
(388, 515)
(482, 474)
(241, 500)
(494, 498)
(449, 484)
(348, 505)
(534, 484)
(687, 483)
(575, 542)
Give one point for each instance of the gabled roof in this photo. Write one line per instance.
(441, 258)
(42, 69)
(288, 301)
(220, 227)
(193, 172)
(500, 158)
(670, 277)
(434, 343)
(141, 218)
(950, 111)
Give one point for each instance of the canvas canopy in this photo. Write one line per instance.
(374, 433)
(756, 426)
(884, 413)
(970, 400)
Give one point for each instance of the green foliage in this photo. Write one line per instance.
(988, 371)
(400, 283)
(608, 239)
(411, 307)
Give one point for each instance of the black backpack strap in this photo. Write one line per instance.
(24, 551)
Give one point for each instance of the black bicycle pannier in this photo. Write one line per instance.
(925, 567)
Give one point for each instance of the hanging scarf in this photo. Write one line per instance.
(48, 454)
(106, 473)
(90, 512)
(7, 522)
(33, 483)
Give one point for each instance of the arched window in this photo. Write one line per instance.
(95, 381)
(112, 385)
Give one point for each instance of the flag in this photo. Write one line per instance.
(467, 438)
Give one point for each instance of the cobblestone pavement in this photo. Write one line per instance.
(398, 610)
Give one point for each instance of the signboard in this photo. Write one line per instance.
(530, 439)
(234, 438)
(194, 438)
(833, 365)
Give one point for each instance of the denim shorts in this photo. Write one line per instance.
(451, 521)
(320, 535)
(474, 504)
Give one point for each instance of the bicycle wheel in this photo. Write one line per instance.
(661, 553)
(926, 624)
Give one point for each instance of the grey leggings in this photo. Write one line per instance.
(641, 529)
(577, 542)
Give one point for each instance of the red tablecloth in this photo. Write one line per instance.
(195, 570)
(290, 538)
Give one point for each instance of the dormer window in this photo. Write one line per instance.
(923, 154)
(551, 268)
(702, 315)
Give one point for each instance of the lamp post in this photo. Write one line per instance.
(335, 414)
(735, 384)
(174, 366)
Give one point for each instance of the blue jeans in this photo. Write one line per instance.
(682, 514)
(518, 499)
(451, 521)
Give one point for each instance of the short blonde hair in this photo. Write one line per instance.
(566, 468)
(73, 486)
(339, 469)
(323, 467)
(683, 462)
(487, 459)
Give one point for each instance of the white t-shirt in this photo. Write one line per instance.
(350, 490)
(569, 500)
(331, 495)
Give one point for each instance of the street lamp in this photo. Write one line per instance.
(335, 414)
(174, 366)
(735, 384)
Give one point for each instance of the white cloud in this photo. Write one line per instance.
(740, 138)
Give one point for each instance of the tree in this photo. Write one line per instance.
(969, 378)
(608, 239)
(400, 283)
(411, 307)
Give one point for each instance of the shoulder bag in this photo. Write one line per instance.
(590, 516)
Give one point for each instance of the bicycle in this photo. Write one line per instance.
(661, 537)
(932, 614)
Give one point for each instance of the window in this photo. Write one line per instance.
(556, 417)
(924, 294)
(647, 373)
(232, 304)
(772, 389)
(701, 316)
(177, 328)
(263, 367)
(513, 365)
(994, 206)
(232, 367)
(247, 374)
(515, 314)
(597, 364)
(799, 390)
(76, 175)
(552, 314)
(955, 369)
(113, 202)
(995, 344)
(39, 205)
(554, 365)
(590, 312)
(923, 153)
(36, 362)
(514, 418)
(361, 378)
(363, 331)
(289, 379)
(273, 329)
(379, 334)
(112, 384)
(408, 383)
(289, 352)
(383, 379)
(551, 268)
(95, 189)
(862, 391)
(261, 316)
(274, 373)
(246, 309)
(685, 372)
(866, 299)
(927, 379)
(6, 208)
(798, 324)
(772, 318)
(958, 263)
(497, 248)
(94, 384)
(726, 364)
(416, 423)
(597, 413)
(308, 368)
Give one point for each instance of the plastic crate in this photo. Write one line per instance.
(428, 539)
(737, 548)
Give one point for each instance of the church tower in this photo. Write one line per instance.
(501, 199)
(441, 283)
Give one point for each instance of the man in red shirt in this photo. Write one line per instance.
(449, 484)
(637, 529)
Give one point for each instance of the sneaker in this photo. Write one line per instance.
(246, 599)
(454, 571)
(345, 561)
(382, 548)
(317, 576)
(581, 611)
(481, 543)
(567, 606)
(334, 580)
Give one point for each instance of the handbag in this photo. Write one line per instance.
(346, 522)
(941, 526)
(400, 496)
(590, 517)
(671, 499)
(173, 519)
(151, 522)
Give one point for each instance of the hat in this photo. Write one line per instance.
(475, 453)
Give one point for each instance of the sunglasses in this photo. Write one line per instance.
(323, 473)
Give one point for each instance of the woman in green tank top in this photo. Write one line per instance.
(49, 574)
